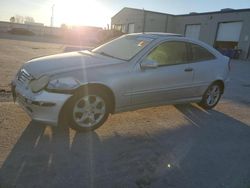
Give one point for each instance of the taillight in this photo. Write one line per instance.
(229, 65)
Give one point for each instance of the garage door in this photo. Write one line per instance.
(131, 28)
(229, 31)
(193, 31)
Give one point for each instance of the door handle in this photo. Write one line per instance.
(188, 69)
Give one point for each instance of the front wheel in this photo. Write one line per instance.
(212, 96)
(89, 111)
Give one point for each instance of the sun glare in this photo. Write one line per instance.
(81, 12)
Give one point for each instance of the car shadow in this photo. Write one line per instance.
(211, 149)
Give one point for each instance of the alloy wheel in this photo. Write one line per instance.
(89, 110)
(213, 95)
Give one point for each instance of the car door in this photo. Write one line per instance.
(204, 65)
(169, 80)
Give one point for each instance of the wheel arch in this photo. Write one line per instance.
(221, 83)
(82, 88)
(101, 87)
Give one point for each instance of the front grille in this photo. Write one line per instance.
(24, 77)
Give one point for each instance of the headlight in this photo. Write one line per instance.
(67, 83)
(39, 84)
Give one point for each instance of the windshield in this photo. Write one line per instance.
(124, 47)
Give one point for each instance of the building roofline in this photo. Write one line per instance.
(216, 12)
(141, 10)
(194, 14)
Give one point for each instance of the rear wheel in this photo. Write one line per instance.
(212, 96)
(89, 111)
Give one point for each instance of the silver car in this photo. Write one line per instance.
(131, 72)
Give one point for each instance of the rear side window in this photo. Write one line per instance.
(200, 54)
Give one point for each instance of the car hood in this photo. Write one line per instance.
(59, 63)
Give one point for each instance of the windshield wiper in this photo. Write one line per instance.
(84, 53)
(105, 54)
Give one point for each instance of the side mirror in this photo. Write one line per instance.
(149, 64)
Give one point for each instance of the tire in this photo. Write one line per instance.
(212, 96)
(88, 110)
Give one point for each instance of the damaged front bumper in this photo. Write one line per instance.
(43, 106)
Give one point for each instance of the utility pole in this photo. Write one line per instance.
(52, 16)
(144, 20)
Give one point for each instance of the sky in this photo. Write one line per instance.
(99, 12)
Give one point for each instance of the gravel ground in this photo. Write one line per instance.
(13, 53)
(180, 146)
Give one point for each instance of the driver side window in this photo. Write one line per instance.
(169, 53)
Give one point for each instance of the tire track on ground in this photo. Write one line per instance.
(5, 94)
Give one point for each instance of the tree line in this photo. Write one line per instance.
(21, 19)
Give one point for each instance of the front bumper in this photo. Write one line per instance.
(43, 106)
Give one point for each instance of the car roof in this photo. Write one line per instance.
(156, 34)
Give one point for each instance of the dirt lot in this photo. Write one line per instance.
(170, 146)
(13, 53)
